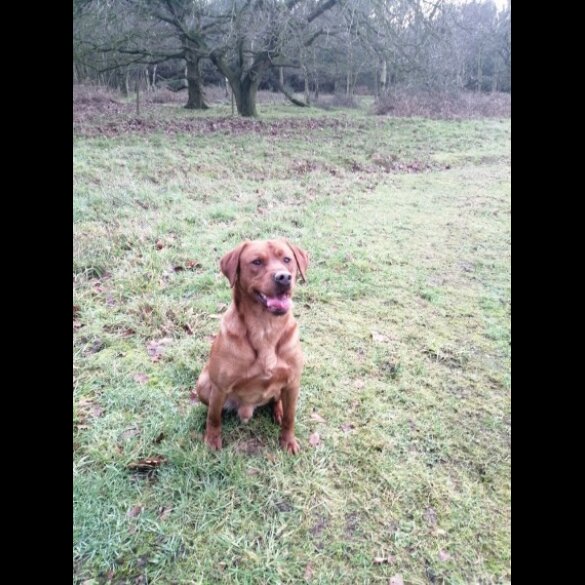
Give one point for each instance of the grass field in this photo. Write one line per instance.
(405, 325)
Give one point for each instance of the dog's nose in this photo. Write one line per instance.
(282, 278)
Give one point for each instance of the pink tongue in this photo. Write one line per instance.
(278, 303)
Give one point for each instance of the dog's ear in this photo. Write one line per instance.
(302, 259)
(230, 263)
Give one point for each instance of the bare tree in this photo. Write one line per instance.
(296, 45)
(259, 38)
(124, 34)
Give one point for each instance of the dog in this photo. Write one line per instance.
(256, 358)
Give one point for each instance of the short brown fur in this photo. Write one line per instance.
(256, 358)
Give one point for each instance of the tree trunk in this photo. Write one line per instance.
(196, 99)
(479, 72)
(348, 84)
(315, 77)
(244, 85)
(348, 73)
(383, 77)
(245, 95)
(123, 83)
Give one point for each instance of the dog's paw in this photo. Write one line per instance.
(213, 441)
(290, 444)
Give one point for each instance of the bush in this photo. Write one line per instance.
(404, 104)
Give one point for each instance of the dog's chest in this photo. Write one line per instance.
(265, 380)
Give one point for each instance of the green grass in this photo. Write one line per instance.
(405, 324)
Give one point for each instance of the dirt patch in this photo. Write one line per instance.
(249, 447)
(352, 524)
(447, 357)
(319, 526)
(115, 119)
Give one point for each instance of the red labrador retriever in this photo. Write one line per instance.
(256, 357)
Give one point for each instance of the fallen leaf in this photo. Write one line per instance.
(384, 560)
(155, 348)
(87, 408)
(430, 516)
(193, 264)
(347, 427)
(75, 310)
(396, 580)
(135, 511)
(95, 411)
(131, 432)
(159, 438)
(164, 512)
(314, 439)
(284, 506)
(141, 378)
(188, 329)
(148, 463)
(317, 417)
(309, 572)
(178, 268)
(159, 245)
(96, 346)
(379, 338)
(444, 555)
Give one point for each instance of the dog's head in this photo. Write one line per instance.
(265, 271)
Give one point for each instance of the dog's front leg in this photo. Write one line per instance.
(212, 435)
(288, 440)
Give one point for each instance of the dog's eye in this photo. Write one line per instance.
(286, 260)
(257, 262)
